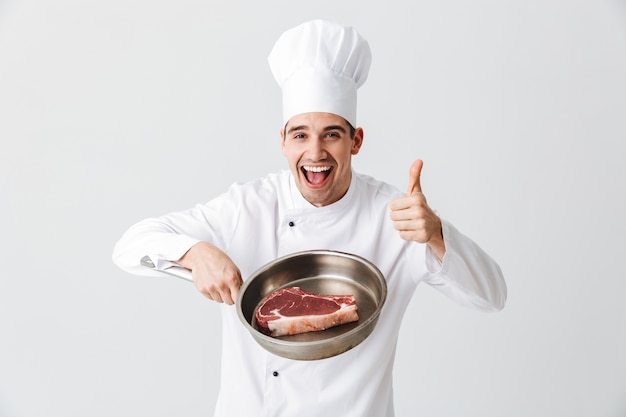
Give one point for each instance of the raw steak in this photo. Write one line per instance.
(292, 310)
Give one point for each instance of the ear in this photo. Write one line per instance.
(282, 141)
(357, 141)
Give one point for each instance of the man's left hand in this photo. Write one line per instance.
(414, 219)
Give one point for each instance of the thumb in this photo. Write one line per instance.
(414, 177)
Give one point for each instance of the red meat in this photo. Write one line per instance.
(292, 310)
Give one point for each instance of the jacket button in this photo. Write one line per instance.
(275, 373)
(291, 224)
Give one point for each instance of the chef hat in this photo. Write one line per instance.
(319, 66)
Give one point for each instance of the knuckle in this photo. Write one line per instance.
(222, 286)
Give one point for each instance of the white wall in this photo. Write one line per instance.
(112, 111)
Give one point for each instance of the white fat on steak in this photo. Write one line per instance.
(293, 310)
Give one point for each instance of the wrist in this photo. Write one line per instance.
(436, 242)
(189, 258)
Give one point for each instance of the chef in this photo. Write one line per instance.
(320, 202)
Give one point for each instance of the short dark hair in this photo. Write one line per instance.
(352, 130)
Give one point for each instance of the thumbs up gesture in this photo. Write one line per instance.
(413, 218)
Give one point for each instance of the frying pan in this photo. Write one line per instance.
(317, 271)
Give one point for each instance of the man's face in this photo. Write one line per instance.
(319, 150)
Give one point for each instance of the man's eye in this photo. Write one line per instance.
(299, 136)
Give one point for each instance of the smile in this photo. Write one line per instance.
(316, 175)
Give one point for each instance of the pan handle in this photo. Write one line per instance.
(177, 271)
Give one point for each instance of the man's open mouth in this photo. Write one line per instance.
(316, 175)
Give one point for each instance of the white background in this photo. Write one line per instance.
(113, 111)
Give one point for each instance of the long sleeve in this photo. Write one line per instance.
(169, 237)
(467, 274)
(155, 238)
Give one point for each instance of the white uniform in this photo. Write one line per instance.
(256, 222)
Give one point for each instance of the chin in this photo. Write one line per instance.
(315, 198)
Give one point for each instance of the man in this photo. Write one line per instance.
(319, 203)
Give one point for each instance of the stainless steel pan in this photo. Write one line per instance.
(318, 271)
(177, 271)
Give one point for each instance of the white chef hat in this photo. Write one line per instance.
(319, 66)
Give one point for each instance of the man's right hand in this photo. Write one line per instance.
(214, 273)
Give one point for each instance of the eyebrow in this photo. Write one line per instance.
(335, 127)
(326, 129)
(297, 128)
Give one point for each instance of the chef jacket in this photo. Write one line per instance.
(258, 221)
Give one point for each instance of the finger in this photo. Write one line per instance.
(233, 296)
(225, 295)
(414, 177)
(210, 291)
(228, 299)
(231, 292)
(215, 296)
(229, 295)
(400, 203)
(234, 291)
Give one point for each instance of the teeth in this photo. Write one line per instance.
(316, 169)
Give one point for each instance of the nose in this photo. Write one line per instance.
(316, 150)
